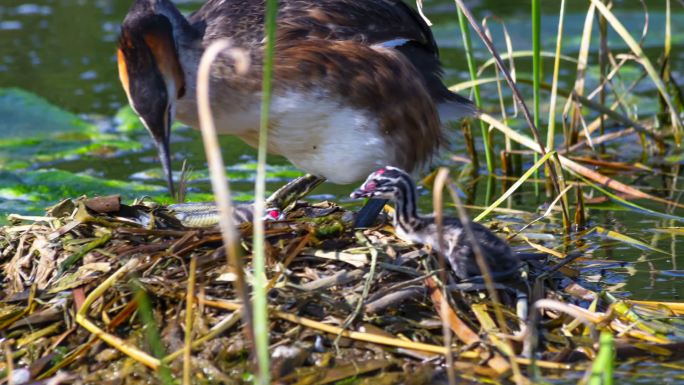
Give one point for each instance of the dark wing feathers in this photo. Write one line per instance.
(367, 22)
(497, 253)
(370, 22)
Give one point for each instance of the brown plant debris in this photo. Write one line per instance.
(71, 312)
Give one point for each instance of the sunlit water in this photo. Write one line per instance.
(63, 50)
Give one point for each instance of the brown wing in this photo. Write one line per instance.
(369, 22)
(366, 22)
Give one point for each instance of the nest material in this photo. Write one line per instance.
(95, 291)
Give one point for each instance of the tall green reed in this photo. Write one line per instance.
(602, 367)
(536, 72)
(603, 69)
(220, 185)
(151, 330)
(551, 130)
(261, 329)
(472, 68)
(555, 177)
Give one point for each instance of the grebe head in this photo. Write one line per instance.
(386, 183)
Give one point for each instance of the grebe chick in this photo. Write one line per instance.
(396, 185)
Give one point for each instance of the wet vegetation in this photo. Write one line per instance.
(345, 304)
(115, 289)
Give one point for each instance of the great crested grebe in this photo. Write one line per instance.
(357, 84)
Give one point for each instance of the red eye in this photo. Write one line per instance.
(274, 214)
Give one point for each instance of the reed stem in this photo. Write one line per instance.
(519, 99)
(261, 329)
(472, 68)
(536, 73)
(219, 184)
(551, 131)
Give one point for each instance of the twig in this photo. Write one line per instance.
(225, 324)
(366, 286)
(340, 278)
(370, 337)
(291, 256)
(189, 299)
(394, 298)
(398, 286)
(440, 299)
(488, 280)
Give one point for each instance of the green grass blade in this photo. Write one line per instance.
(630, 205)
(614, 235)
(588, 103)
(524, 54)
(515, 186)
(261, 330)
(602, 367)
(551, 131)
(151, 330)
(580, 74)
(461, 86)
(668, 30)
(467, 44)
(536, 71)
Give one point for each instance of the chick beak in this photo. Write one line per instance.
(359, 193)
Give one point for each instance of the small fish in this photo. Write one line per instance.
(205, 214)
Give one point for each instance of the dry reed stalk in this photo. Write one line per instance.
(488, 280)
(374, 338)
(118, 343)
(576, 167)
(440, 299)
(555, 178)
(219, 183)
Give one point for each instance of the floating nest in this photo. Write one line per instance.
(97, 291)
